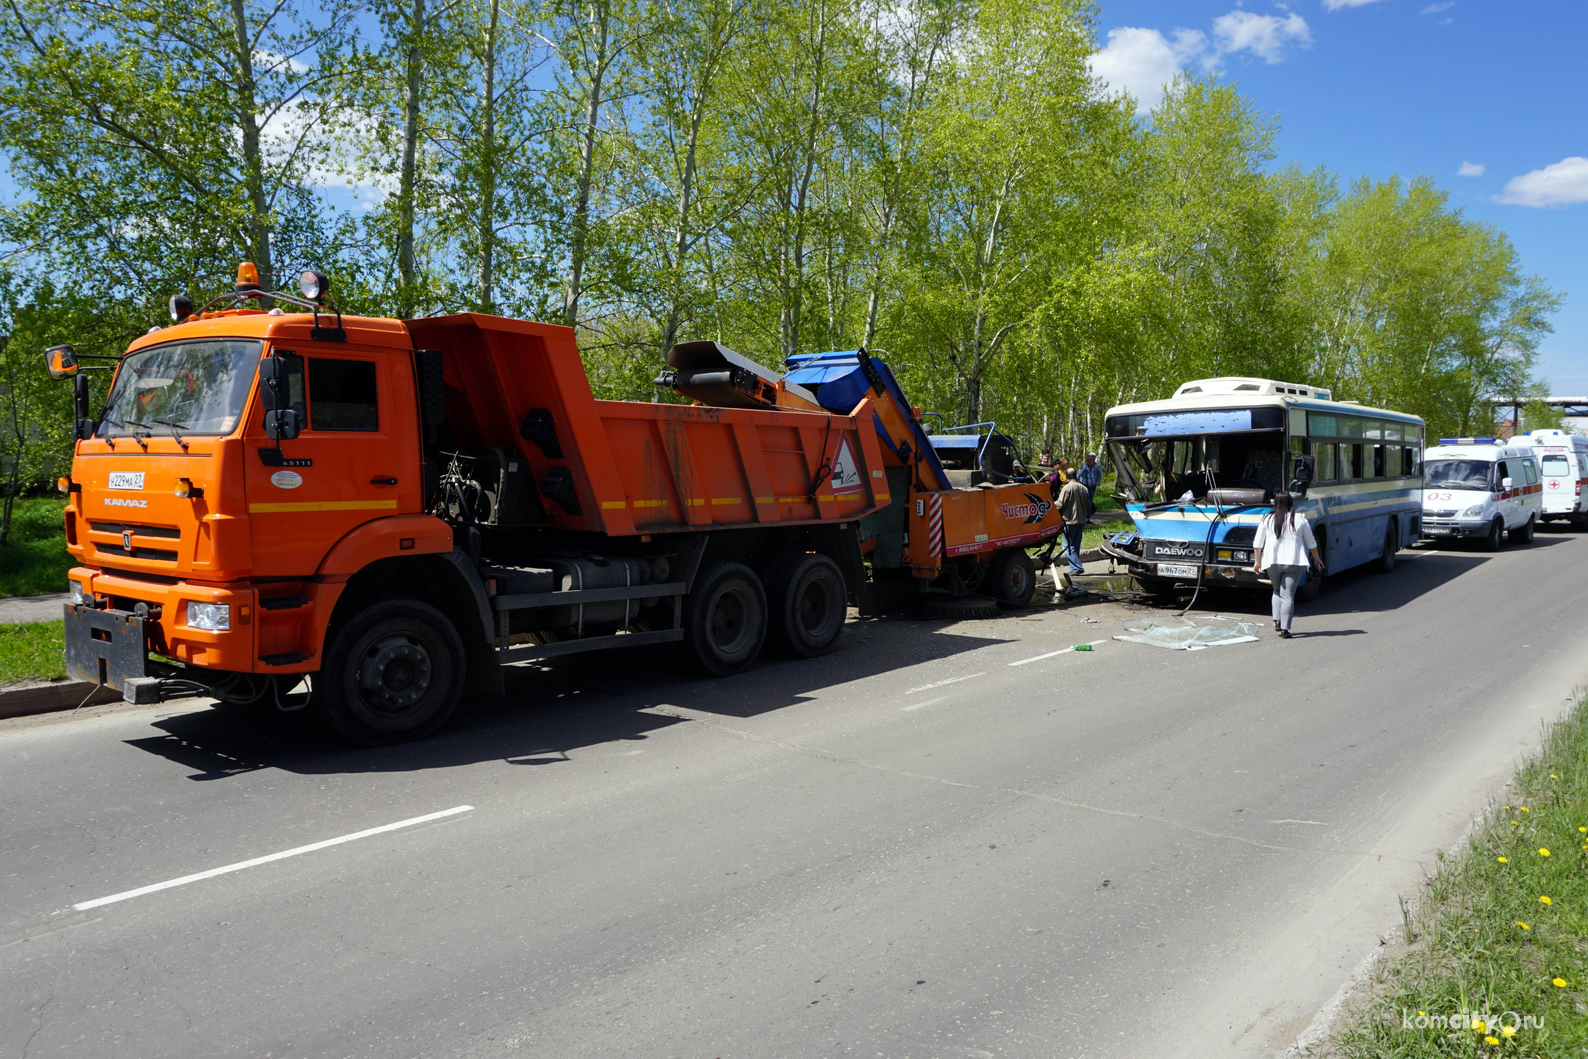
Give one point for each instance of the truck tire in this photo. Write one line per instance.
(725, 619)
(807, 604)
(1013, 578)
(393, 673)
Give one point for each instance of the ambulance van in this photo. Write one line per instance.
(1563, 461)
(1483, 488)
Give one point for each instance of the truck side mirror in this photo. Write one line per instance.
(271, 374)
(62, 362)
(1505, 483)
(85, 426)
(282, 424)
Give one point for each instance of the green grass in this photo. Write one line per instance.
(1093, 537)
(34, 650)
(34, 560)
(1471, 952)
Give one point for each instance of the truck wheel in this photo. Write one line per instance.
(1386, 560)
(1524, 534)
(1496, 535)
(393, 673)
(1013, 578)
(725, 619)
(808, 603)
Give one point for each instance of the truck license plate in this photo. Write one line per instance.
(1176, 570)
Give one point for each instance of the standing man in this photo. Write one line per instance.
(1090, 474)
(1074, 504)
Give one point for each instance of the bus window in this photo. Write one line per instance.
(1377, 468)
(1392, 457)
(1412, 460)
(1325, 461)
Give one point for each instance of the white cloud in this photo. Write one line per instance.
(1335, 5)
(269, 60)
(1263, 35)
(1560, 184)
(1142, 61)
(1470, 169)
(1434, 9)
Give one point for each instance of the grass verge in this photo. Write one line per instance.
(1093, 535)
(1498, 964)
(34, 650)
(34, 560)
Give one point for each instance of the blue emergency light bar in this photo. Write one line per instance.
(1469, 441)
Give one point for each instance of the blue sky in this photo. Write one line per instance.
(1486, 98)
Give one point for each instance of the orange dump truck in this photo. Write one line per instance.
(395, 510)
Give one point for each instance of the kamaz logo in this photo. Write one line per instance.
(116, 501)
(1032, 512)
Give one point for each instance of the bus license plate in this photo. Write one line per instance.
(1176, 570)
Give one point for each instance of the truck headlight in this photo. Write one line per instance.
(1473, 512)
(77, 591)
(216, 617)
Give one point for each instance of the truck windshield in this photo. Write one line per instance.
(1458, 474)
(1159, 470)
(186, 387)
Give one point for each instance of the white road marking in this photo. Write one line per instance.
(240, 865)
(928, 702)
(1320, 823)
(941, 683)
(1053, 654)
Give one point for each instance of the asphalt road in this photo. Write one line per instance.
(915, 847)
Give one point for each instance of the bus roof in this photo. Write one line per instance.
(1228, 397)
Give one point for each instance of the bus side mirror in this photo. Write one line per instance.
(62, 362)
(1301, 468)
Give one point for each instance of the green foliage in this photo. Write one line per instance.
(942, 181)
(34, 559)
(1489, 942)
(34, 650)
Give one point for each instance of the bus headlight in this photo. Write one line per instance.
(1473, 512)
(214, 617)
(77, 591)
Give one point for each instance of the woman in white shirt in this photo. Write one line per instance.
(1283, 546)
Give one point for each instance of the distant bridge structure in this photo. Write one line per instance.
(1570, 408)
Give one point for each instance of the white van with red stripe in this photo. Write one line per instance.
(1484, 488)
(1563, 462)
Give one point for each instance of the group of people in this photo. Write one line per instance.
(1285, 546)
(1074, 490)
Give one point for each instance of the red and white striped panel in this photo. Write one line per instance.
(935, 525)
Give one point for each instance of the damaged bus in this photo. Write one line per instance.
(1197, 472)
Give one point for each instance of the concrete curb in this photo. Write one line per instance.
(48, 698)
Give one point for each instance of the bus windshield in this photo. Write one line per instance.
(1458, 474)
(1166, 469)
(183, 388)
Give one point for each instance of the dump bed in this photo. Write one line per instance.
(627, 467)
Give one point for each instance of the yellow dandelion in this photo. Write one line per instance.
(1583, 829)
(1507, 1031)
(1525, 809)
(1478, 1026)
(1543, 852)
(1523, 925)
(1503, 860)
(1491, 1041)
(1560, 983)
(1553, 776)
(1543, 899)
(1516, 823)
(1422, 1013)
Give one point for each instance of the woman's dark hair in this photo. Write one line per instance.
(1284, 508)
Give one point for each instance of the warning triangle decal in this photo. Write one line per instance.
(846, 475)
